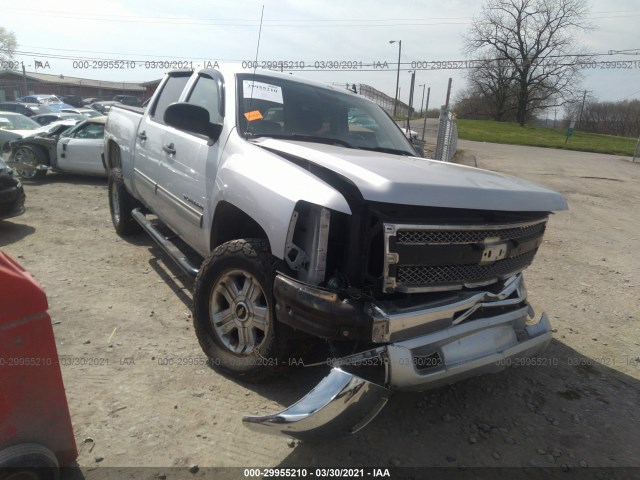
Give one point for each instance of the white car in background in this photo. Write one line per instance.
(70, 146)
(13, 126)
(87, 112)
(80, 149)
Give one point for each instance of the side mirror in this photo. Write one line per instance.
(193, 119)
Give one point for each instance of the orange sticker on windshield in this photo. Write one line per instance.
(253, 116)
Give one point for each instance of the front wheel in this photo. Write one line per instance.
(29, 159)
(234, 314)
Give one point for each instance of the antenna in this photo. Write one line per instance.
(255, 65)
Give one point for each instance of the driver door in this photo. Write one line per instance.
(82, 151)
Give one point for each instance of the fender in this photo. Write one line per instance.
(253, 180)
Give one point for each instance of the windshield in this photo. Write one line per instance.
(47, 99)
(17, 122)
(281, 108)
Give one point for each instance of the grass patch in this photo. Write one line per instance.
(514, 134)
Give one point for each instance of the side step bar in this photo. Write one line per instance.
(174, 252)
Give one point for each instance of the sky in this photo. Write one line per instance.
(338, 33)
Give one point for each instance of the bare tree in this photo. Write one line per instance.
(494, 81)
(8, 44)
(611, 118)
(534, 40)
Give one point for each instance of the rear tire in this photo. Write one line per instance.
(121, 203)
(234, 310)
(31, 157)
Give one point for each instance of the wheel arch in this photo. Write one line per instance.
(232, 223)
(38, 148)
(113, 158)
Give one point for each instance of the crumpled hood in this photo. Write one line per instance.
(21, 133)
(383, 177)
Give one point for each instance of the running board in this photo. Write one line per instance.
(174, 252)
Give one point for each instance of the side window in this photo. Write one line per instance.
(91, 131)
(170, 93)
(206, 94)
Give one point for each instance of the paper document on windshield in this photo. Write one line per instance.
(262, 91)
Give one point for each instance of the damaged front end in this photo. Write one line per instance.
(465, 334)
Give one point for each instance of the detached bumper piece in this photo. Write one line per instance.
(12, 197)
(340, 404)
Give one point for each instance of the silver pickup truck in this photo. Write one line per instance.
(311, 216)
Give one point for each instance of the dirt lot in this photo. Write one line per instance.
(137, 385)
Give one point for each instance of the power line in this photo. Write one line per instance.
(416, 64)
(305, 23)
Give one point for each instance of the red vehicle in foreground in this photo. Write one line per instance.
(36, 436)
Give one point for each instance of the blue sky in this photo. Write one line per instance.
(309, 32)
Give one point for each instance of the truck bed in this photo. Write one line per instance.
(138, 110)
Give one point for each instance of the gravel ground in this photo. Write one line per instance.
(137, 384)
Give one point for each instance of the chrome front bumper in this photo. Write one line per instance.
(344, 403)
(340, 404)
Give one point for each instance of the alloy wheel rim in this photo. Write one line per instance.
(239, 312)
(28, 162)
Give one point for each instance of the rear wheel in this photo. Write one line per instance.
(28, 461)
(234, 315)
(121, 203)
(29, 158)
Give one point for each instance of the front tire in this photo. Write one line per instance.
(234, 315)
(121, 202)
(30, 158)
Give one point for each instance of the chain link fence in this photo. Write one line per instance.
(447, 139)
(375, 95)
(636, 152)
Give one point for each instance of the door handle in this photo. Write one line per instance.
(142, 136)
(169, 149)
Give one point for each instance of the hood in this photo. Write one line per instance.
(19, 133)
(388, 178)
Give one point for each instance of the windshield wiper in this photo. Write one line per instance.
(302, 137)
(394, 151)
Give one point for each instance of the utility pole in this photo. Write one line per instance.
(422, 101)
(413, 79)
(584, 97)
(448, 94)
(426, 111)
(24, 80)
(395, 104)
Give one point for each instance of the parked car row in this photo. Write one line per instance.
(32, 105)
(45, 114)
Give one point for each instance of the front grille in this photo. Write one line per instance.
(424, 258)
(436, 237)
(417, 276)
